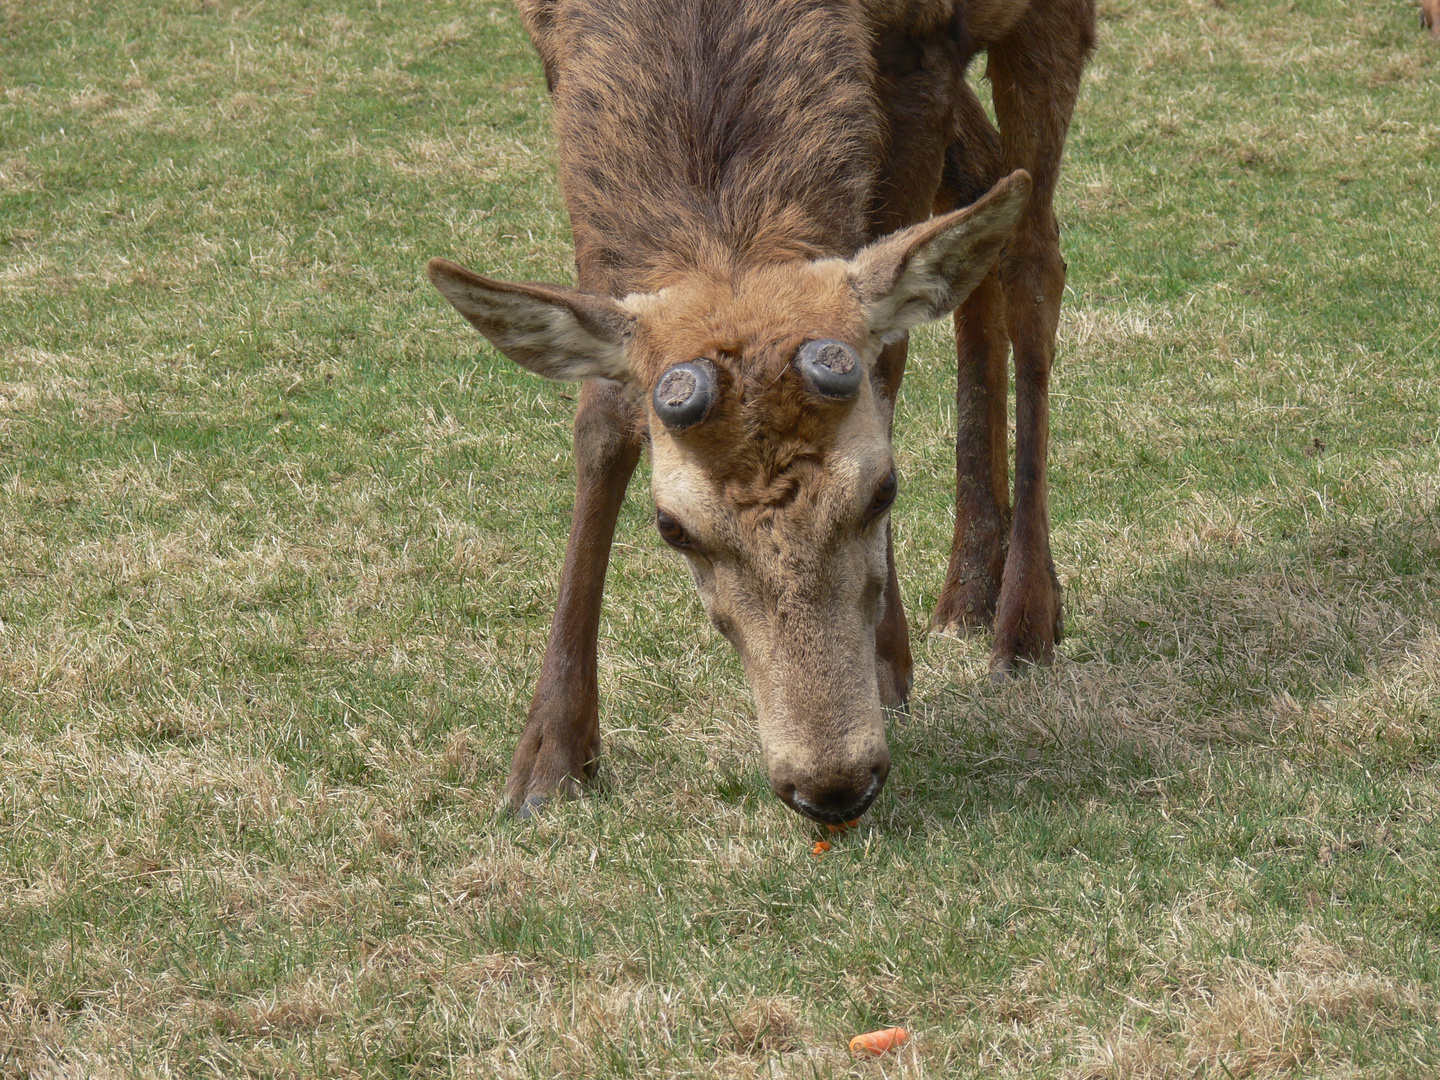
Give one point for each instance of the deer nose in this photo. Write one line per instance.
(832, 796)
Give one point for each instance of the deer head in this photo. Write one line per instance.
(772, 466)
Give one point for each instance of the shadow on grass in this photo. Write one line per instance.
(1323, 640)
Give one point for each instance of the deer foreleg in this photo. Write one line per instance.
(1028, 616)
(973, 163)
(1035, 74)
(982, 488)
(561, 742)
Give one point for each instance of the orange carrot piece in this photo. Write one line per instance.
(878, 1042)
(821, 846)
(844, 828)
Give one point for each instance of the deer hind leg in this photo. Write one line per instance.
(561, 741)
(982, 489)
(1035, 73)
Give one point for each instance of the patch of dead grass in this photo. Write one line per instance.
(764, 1026)
(1250, 1021)
(19, 175)
(1387, 709)
(458, 156)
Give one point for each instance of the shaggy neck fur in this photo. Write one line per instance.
(691, 142)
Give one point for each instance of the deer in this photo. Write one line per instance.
(765, 197)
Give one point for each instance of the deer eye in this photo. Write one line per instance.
(884, 496)
(672, 532)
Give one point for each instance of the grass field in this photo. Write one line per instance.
(279, 537)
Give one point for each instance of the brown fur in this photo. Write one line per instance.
(1430, 16)
(767, 426)
(722, 166)
(721, 104)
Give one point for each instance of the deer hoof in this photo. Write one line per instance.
(966, 610)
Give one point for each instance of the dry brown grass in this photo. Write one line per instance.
(1245, 1021)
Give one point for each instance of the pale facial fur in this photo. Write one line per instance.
(799, 591)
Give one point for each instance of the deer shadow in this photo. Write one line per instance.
(1329, 635)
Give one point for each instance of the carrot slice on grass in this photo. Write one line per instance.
(879, 1042)
(821, 846)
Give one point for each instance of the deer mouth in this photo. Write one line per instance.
(832, 808)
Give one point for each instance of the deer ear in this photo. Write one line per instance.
(926, 271)
(551, 330)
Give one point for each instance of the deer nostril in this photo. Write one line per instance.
(784, 788)
(878, 773)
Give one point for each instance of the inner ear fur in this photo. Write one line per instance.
(548, 329)
(924, 272)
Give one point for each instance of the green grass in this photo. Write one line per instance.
(279, 538)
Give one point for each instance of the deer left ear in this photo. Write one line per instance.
(926, 271)
(548, 329)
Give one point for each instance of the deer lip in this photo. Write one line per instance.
(800, 805)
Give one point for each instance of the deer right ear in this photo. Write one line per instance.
(548, 329)
(926, 271)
